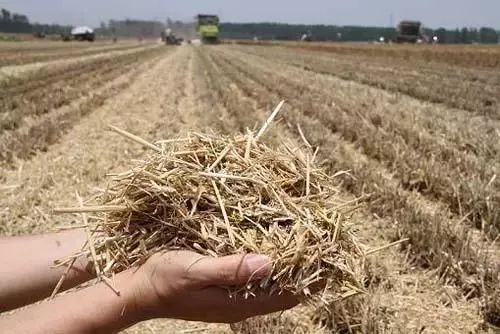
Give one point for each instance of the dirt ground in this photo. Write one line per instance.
(421, 140)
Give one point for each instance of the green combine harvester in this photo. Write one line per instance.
(208, 28)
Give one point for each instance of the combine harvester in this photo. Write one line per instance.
(208, 28)
(410, 32)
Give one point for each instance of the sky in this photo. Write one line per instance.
(433, 13)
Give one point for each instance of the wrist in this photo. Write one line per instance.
(141, 299)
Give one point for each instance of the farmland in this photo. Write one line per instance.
(417, 129)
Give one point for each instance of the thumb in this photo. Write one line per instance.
(230, 270)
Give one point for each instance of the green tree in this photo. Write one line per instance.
(474, 35)
(18, 18)
(464, 36)
(5, 15)
(488, 35)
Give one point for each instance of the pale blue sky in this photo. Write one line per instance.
(434, 13)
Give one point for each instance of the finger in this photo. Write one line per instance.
(242, 308)
(230, 270)
(215, 305)
(265, 304)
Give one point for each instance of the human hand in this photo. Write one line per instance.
(185, 285)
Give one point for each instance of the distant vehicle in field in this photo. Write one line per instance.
(409, 32)
(307, 37)
(83, 34)
(169, 38)
(208, 28)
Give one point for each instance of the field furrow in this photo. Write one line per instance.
(466, 92)
(422, 161)
(9, 73)
(428, 226)
(39, 119)
(366, 312)
(481, 57)
(86, 153)
(22, 56)
(415, 129)
(59, 71)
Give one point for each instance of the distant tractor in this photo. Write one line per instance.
(409, 32)
(83, 34)
(208, 28)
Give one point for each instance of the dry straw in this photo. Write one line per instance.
(220, 195)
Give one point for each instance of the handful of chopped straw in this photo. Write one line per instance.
(220, 195)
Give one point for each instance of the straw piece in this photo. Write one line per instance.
(231, 177)
(269, 120)
(224, 213)
(248, 146)
(303, 137)
(379, 249)
(308, 176)
(221, 156)
(134, 138)
(63, 277)
(73, 260)
(92, 251)
(97, 208)
(170, 141)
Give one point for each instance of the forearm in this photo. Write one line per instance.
(27, 274)
(95, 309)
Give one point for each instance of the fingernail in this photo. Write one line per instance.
(258, 265)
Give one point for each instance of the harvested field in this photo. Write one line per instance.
(43, 52)
(418, 129)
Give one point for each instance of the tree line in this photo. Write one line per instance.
(281, 31)
(18, 23)
(142, 28)
(483, 35)
(130, 28)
